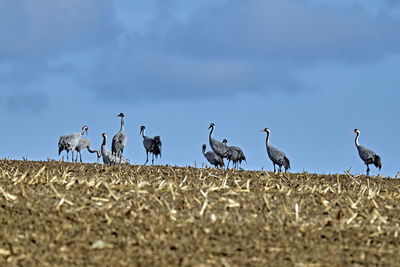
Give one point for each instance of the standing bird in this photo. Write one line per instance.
(219, 148)
(276, 156)
(119, 140)
(85, 143)
(367, 155)
(69, 142)
(151, 145)
(235, 154)
(212, 157)
(108, 157)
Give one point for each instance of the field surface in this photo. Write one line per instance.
(62, 214)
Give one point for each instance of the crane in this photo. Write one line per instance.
(235, 154)
(152, 145)
(69, 142)
(212, 157)
(85, 143)
(119, 140)
(108, 157)
(367, 155)
(219, 148)
(276, 156)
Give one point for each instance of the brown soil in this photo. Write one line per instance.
(62, 214)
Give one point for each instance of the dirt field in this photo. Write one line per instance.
(62, 214)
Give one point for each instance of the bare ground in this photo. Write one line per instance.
(64, 214)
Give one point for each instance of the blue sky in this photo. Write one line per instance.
(310, 70)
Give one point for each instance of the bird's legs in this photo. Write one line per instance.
(147, 157)
(274, 168)
(227, 167)
(80, 156)
(152, 160)
(280, 168)
(368, 170)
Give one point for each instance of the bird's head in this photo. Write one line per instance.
(265, 130)
(121, 115)
(104, 135)
(356, 131)
(224, 141)
(203, 147)
(85, 129)
(212, 125)
(142, 128)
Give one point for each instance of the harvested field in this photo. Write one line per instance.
(62, 214)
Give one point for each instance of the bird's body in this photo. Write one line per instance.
(108, 157)
(69, 142)
(276, 156)
(367, 155)
(119, 140)
(234, 154)
(85, 143)
(212, 157)
(152, 145)
(219, 148)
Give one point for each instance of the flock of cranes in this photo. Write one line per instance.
(75, 142)
(220, 150)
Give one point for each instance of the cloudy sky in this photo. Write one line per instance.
(310, 70)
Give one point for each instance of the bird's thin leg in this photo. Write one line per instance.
(67, 154)
(280, 168)
(72, 159)
(274, 168)
(227, 167)
(147, 157)
(367, 170)
(80, 156)
(152, 160)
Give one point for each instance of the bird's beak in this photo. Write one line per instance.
(261, 130)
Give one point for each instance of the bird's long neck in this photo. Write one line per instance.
(211, 132)
(90, 150)
(122, 123)
(83, 131)
(143, 134)
(356, 140)
(104, 141)
(267, 140)
(204, 152)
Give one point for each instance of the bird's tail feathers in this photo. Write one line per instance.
(377, 162)
(286, 163)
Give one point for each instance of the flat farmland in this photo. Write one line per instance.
(62, 214)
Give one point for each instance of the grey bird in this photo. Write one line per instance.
(212, 157)
(219, 148)
(367, 155)
(69, 142)
(85, 143)
(277, 157)
(119, 140)
(152, 145)
(234, 154)
(108, 157)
